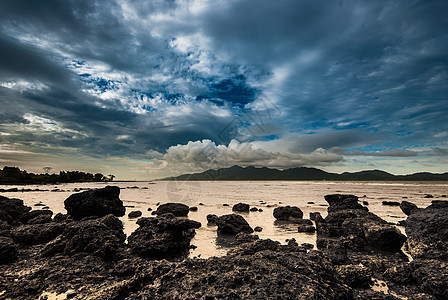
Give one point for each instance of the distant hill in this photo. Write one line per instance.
(302, 173)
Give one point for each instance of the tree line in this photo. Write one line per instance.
(12, 175)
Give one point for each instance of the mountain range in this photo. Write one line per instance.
(303, 173)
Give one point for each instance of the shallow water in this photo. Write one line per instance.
(308, 196)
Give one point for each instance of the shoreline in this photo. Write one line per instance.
(46, 262)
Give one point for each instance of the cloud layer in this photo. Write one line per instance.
(343, 86)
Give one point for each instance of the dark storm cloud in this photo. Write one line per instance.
(125, 77)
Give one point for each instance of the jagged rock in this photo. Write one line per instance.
(97, 202)
(11, 209)
(162, 237)
(343, 202)
(427, 231)
(306, 228)
(243, 237)
(102, 237)
(240, 207)
(233, 224)
(287, 212)
(431, 275)
(314, 215)
(212, 219)
(391, 203)
(45, 216)
(8, 250)
(355, 276)
(135, 214)
(59, 217)
(177, 209)
(400, 273)
(349, 219)
(408, 208)
(37, 234)
(259, 270)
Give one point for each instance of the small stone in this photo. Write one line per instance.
(135, 214)
(258, 229)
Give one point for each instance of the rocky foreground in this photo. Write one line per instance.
(84, 254)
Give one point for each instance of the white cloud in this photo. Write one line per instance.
(203, 155)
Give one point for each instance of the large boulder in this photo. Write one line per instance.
(37, 234)
(233, 224)
(358, 227)
(342, 202)
(287, 212)
(243, 207)
(162, 237)
(427, 231)
(103, 237)
(177, 209)
(12, 209)
(97, 202)
(408, 208)
(37, 217)
(8, 250)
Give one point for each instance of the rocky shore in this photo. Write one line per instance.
(86, 255)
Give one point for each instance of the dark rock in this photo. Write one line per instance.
(177, 209)
(408, 208)
(41, 219)
(260, 209)
(37, 234)
(12, 209)
(102, 237)
(253, 271)
(225, 204)
(365, 202)
(313, 215)
(342, 202)
(233, 224)
(307, 246)
(310, 202)
(306, 228)
(59, 217)
(355, 276)
(391, 203)
(431, 275)
(258, 229)
(301, 221)
(8, 250)
(26, 217)
(427, 231)
(428, 196)
(240, 207)
(162, 237)
(244, 237)
(201, 204)
(134, 214)
(212, 219)
(149, 209)
(193, 208)
(287, 212)
(358, 226)
(97, 202)
(253, 209)
(400, 273)
(421, 296)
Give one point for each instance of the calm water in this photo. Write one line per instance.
(309, 196)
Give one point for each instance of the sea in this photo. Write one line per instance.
(218, 197)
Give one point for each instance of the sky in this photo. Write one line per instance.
(148, 89)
